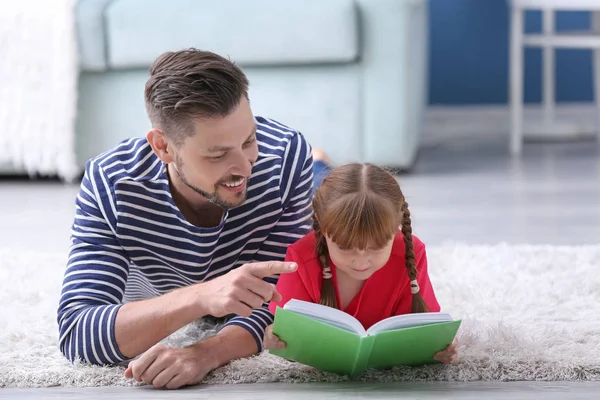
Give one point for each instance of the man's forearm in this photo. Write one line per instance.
(142, 324)
(231, 343)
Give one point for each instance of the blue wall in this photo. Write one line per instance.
(469, 55)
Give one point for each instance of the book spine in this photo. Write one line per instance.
(362, 356)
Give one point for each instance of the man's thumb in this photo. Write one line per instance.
(276, 297)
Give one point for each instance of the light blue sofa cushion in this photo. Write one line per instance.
(90, 34)
(252, 32)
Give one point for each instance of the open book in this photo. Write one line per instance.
(332, 340)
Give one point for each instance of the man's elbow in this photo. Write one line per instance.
(80, 345)
(77, 355)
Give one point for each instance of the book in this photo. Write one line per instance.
(332, 340)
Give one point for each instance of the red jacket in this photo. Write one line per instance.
(384, 294)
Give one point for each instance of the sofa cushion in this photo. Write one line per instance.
(250, 32)
(90, 34)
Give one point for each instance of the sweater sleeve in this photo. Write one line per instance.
(95, 276)
(296, 195)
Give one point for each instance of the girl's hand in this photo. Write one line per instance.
(272, 341)
(449, 354)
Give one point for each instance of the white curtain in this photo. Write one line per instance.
(38, 86)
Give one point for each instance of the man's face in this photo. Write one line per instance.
(217, 160)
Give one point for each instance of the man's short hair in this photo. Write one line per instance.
(190, 85)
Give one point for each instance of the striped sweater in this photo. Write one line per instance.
(129, 241)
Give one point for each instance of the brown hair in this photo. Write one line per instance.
(191, 84)
(359, 206)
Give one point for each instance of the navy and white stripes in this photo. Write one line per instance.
(131, 242)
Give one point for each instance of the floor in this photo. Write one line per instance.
(399, 391)
(464, 190)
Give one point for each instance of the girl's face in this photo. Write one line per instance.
(359, 264)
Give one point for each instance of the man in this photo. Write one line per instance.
(191, 221)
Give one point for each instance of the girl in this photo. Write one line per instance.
(356, 259)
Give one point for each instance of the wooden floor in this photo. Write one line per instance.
(400, 391)
(464, 191)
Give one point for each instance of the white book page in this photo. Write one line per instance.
(407, 321)
(326, 314)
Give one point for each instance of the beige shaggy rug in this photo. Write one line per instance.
(530, 313)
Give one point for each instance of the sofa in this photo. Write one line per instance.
(351, 75)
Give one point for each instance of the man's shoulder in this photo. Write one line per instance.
(276, 139)
(131, 159)
(283, 152)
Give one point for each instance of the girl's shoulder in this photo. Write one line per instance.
(305, 248)
(399, 246)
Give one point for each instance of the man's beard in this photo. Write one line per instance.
(214, 197)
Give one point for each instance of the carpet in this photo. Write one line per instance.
(529, 312)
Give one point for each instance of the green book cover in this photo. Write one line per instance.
(331, 340)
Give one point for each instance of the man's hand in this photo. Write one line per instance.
(272, 341)
(171, 368)
(242, 290)
(449, 354)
